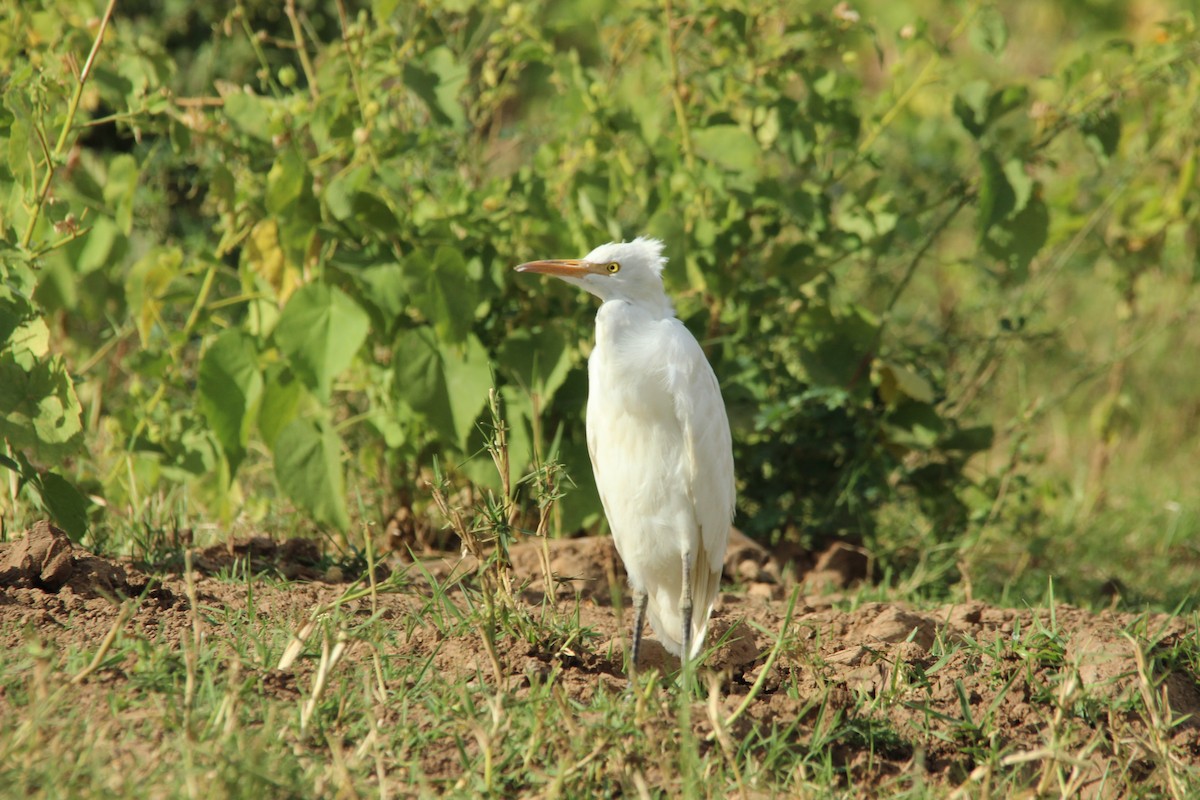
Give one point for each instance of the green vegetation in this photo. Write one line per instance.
(255, 275)
(259, 260)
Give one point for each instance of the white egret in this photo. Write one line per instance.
(659, 441)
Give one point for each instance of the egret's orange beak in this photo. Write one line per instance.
(563, 267)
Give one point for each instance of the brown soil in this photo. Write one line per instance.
(838, 659)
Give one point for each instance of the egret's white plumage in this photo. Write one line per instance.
(659, 441)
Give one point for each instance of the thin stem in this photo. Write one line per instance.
(310, 74)
(685, 133)
(68, 123)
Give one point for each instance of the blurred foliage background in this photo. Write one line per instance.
(257, 263)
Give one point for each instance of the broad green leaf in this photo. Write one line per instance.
(119, 188)
(538, 361)
(989, 32)
(14, 310)
(836, 346)
(250, 113)
(1103, 133)
(39, 409)
(914, 425)
(970, 440)
(1006, 99)
(66, 504)
(388, 288)
(446, 385)
(287, 182)
(729, 146)
(450, 295)
(468, 374)
(438, 80)
(29, 343)
(996, 196)
(230, 388)
(898, 383)
(419, 381)
(978, 107)
(383, 9)
(309, 470)
(280, 402)
(970, 106)
(342, 191)
(99, 246)
(1018, 239)
(320, 331)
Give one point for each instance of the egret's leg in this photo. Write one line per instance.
(685, 608)
(639, 622)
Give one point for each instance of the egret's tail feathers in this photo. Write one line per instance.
(667, 622)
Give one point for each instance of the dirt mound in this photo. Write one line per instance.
(45, 559)
(917, 687)
(294, 559)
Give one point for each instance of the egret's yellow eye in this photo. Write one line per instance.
(612, 267)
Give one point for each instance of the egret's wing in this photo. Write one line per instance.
(709, 454)
(708, 467)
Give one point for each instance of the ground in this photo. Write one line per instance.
(420, 685)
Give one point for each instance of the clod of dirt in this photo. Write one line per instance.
(41, 559)
(896, 624)
(45, 559)
(839, 567)
(748, 561)
(739, 645)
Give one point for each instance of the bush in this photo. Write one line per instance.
(284, 238)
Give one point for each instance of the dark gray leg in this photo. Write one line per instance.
(685, 608)
(639, 622)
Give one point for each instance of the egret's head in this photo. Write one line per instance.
(629, 271)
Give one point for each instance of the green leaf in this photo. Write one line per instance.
(996, 196)
(989, 33)
(970, 106)
(119, 189)
(387, 289)
(468, 374)
(914, 425)
(978, 107)
(16, 319)
(230, 389)
(970, 440)
(1103, 134)
(309, 470)
(447, 385)
(538, 361)
(836, 345)
(1018, 239)
(438, 82)
(898, 383)
(729, 146)
(39, 409)
(449, 298)
(250, 113)
(287, 182)
(383, 9)
(320, 331)
(146, 285)
(66, 504)
(280, 402)
(419, 381)
(98, 246)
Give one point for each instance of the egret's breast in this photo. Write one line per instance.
(637, 444)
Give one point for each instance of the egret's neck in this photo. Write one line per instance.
(649, 309)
